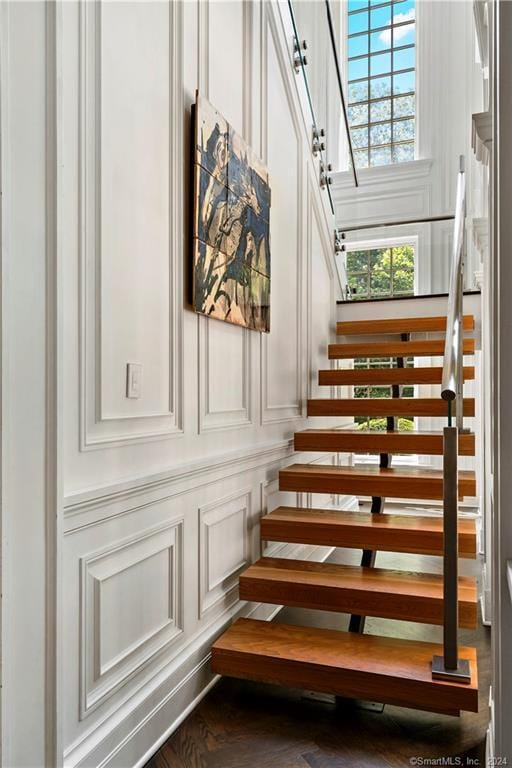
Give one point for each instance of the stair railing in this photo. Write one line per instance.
(449, 665)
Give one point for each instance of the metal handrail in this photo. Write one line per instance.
(452, 365)
(397, 223)
(449, 665)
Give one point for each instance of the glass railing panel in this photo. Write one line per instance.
(317, 27)
(397, 261)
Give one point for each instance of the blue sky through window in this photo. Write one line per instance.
(382, 80)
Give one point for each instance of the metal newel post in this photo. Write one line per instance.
(449, 665)
(451, 547)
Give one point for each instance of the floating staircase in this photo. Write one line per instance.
(353, 664)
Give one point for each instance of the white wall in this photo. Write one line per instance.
(161, 496)
(29, 484)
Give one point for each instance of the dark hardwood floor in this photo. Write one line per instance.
(248, 725)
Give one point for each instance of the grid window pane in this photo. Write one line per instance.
(361, 158)
(404, 82)
(357, 92)
(380, 87)
(404, 130)
(381, 80)
(380, 64)
(404, 35)
(403, 59)
(380, 134)
(360, 138)
(403, 11)
(379, 42)
(358, 114)
(380, 110)
(380, 17)
(357, 22)
(358, 45)
(357, 68)
(381, 272)
(403, 152)
(380, 156)
(404, 106)
(357, 5)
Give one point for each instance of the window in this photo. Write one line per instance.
(381, 81)
(380, 272)
(380, 424)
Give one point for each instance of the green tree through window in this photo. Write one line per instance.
(381, 272)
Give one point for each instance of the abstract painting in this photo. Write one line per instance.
(231, 207)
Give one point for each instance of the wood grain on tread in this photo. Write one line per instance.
(386, 669)
(385, 406)
(361, 530)
(399, 325)
(388, 594)
(424, 347)
(352, 377)
(404, 483)
(367, 441)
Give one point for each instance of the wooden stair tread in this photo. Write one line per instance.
(393, 533)
(390, 670)
(386, 376)
(371, 441)
(423, 347)
(403, 482)
(385, 406)
(378, 592)
(399, 325)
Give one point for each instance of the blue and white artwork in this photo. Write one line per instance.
(231, 276)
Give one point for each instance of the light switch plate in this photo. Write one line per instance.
(133, 380)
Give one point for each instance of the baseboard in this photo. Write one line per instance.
(141, 729)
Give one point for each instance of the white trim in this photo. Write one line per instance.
(239, 460)
(381, 174)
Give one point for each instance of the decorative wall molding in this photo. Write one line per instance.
(282, 412)
(387, 193)
(218, 419)
(88, 507)
(224, 550)
(481, 17)
(109, 657)
(480, 235)
(481, 136)
(209, 417)
(382, 175)
(98, 429)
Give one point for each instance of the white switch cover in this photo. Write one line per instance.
(133, 380)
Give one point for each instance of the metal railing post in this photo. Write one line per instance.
(459, 402)
(449, 665)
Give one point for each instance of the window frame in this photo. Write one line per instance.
(381, 244)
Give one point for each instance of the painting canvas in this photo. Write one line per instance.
(231, 207)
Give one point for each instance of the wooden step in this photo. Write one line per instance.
(371, 441)
(381, 592)
(422, 348)
(402, 483)
(385, 669)
(385, 406)
(353, 377)
(399, 325)
(361, 530)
